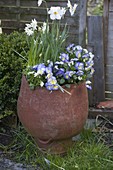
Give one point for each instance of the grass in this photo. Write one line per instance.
(87, 153)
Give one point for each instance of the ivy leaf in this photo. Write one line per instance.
(62, 81)
(31, 86)
(67, 85)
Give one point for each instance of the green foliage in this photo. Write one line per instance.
(95, 8)
(11, 66)
(85, 154)
(48, 44)
(98, 10)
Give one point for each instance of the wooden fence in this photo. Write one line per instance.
(96, 45)
(108, 22)
(15, 13)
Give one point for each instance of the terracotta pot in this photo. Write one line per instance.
(53, 118)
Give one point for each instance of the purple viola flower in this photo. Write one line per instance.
(80, 73)
(79, 66)
(92, 71)
(35, 67)
(52, 80)
(78, 47)
(52, 83)
(60, 72)
(48, 86)
(78, 54)
(64, 57)
(41, 69)
(89, 65)
(68, 74)
(70, 48)
(48, 70)
(51, 87)
(86, 56)
(88, 85)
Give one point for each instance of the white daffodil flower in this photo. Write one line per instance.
(56, 13)
(34, 24)
(39, 2)
(44, 27)
(72, 9)
(28, 31)
(69, 4)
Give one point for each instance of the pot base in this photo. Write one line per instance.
(54, 147)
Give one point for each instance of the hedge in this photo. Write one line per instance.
(11, 66)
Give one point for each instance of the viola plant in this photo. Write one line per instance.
(50, 63)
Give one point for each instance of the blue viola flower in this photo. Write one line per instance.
(80, 73)
(68, 74)
(51, 87)
(35, 67)
(88, 85)
(52, 83)
(70, 48)
(85, 56)
(48, 86)
(89, 65)
(60, 72)
(78, 54)
(41, 69)
(78, 47)
(48, 70)
(92, 71)
(64, 57)
(79, 66)
(52, 80)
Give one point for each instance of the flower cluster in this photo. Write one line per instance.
(49, 63)
(75, 65)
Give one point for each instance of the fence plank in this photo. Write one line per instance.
(95, 40)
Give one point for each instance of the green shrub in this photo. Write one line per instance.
(11, 66)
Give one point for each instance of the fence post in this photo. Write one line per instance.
(82, 22)
(95, 40)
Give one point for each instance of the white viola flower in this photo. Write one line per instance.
(56, 13)
(30, 72)
(88, 82)
(85, 50)
(36, 74)
(41, 83)
(91, 55)
(34, 24)
(39, 2)
(79, 78)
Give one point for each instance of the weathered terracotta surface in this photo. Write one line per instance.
(52, 116)
(105, 105)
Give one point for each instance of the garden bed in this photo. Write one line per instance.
(17, 148)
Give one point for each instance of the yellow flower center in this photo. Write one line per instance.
(55, 12)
